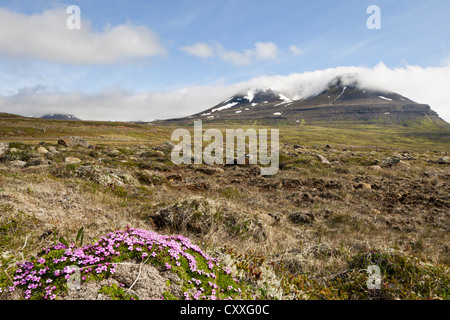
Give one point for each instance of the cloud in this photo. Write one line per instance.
(260, 51)
(295, 50)
(46, 36)
(423, 85)
(200, 49)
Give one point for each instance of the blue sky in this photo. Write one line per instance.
(195, 49)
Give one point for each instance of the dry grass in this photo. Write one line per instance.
(301, 227)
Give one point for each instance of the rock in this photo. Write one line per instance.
(73, 141)
(17, 164)
(444, 160)
(114, 153)
(160, 154)
(364, 186)
(403, 164)
(42, 150)
(166, 146)
(4, 148)
(301, 217)
(431, 174)
(376, 168)
(322, 159)
(296, 146)
(13, 150)
(71, 160)
(390, 161)
(327, 146)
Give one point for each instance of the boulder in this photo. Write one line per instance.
(364, 186)
(403, 164)
(42, 150)
(322, 159)
(390, 161)
(166, 146)
(160, 154)
(4, 148)
(114, 153)
(17, 164)
(71, 160)
(73, 141)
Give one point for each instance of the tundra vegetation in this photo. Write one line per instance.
(139, 226)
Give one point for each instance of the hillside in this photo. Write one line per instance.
(339, 102)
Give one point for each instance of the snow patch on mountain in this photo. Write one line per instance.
(227, 106)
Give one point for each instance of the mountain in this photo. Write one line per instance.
(59, 116)
(343, 99)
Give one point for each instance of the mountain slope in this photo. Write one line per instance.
(59, 116)
(342, 100)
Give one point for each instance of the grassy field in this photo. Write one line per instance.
(309, 232)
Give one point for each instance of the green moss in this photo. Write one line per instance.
(117, 293)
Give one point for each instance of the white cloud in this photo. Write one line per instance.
(423, 85)
(261, 51)
(46, 36)
(200, 49)
(265, 51)
(295, 50)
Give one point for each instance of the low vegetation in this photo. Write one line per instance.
(140, 227)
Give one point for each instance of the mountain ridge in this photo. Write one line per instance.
(343, 99)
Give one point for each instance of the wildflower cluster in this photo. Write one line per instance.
(46, 276)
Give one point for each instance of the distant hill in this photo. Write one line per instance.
(338, 102)
(59, 116)
(9, 116)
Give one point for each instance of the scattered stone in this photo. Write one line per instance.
(114, 153)
(17, 164)
(166, 146)
(73, 141)
(4, 148)
(391, 161)
(364, 186)
(444, 160)
(42, 150)
(159, 154)
(13, 150)
(322, 159)
(403, 164)
(376, 168)
(297, 146)
(430, 174)
(71, 160)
